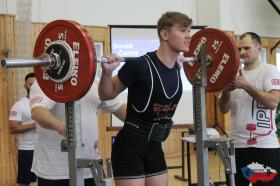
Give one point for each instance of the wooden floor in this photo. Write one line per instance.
(216, 170)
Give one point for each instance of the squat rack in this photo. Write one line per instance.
(224, 148)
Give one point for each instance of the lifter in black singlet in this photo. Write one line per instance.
(154, 90)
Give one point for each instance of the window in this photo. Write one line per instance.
(263, 55)
(278, 58)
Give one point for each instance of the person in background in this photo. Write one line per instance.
(21, 123)
(252, 99)
(49, 163)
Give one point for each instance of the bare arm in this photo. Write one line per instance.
(121, 112)
(16, 127)
(47, 120)
(269, 99)
(109, 87)
(224, 101)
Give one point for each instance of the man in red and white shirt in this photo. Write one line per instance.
(49, 163)
(252, 99)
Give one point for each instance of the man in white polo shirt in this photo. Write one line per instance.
(20, 123)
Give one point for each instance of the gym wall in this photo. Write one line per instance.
(236, 15)
(9, 93)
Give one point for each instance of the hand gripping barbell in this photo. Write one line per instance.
(65, 60)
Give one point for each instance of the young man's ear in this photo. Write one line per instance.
(164, 35)
(260, 48)
(25, 86)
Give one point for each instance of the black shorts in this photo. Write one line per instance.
(134, 157)
(25, 176)
(268, 158)
(65, 182)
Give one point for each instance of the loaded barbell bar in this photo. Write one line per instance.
(66, 66)
(59, 61)
(52, 61)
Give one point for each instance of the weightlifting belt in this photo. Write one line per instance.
(151, 131)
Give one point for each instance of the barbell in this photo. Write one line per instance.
(65, 60)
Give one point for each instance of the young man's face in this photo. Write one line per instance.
(249, 50)
(179, 38)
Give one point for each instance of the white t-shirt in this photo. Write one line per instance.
(21, 112)
(48, 161)
(252, 124)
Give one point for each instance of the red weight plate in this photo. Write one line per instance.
(223, 52)
(85, 60)
(235, 72)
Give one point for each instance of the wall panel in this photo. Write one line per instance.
(8, 93)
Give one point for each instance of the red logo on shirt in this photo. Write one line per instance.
(13, 113)
(275, 81)
(36, 99)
